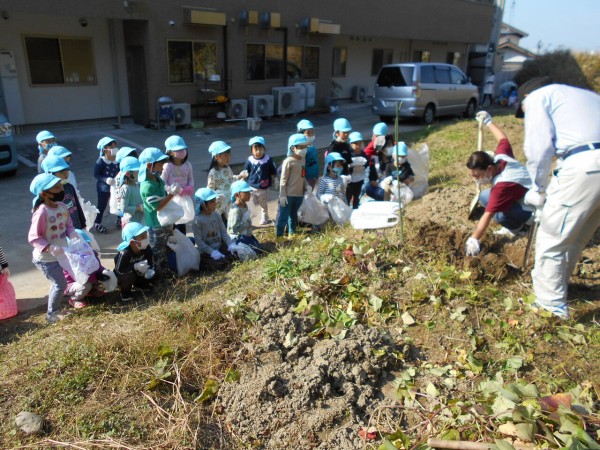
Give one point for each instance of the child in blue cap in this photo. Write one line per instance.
(331, 182)
(50, 227)
(45, 140)
(105, 171)
(129, 190)
(307, 128)
(133, 262)
(239, 223)
(67, 155)
(178, 171)
(261, 174)
(292, 185)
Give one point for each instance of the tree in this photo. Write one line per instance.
(560, 65)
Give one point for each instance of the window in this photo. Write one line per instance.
(422, 56)
(442, 75)
(60, 60)
(427, 74)
(456, 76)
(265, 62)
(340, 55)
(380, 57)
(454, 58)
(190, 61)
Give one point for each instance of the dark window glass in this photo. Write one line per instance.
(181, 65)
(395, 76)
(310, 68)
(255, 62)
(442, 75)
(427, 75)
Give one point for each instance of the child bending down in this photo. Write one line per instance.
(133, 263)
(239, 223)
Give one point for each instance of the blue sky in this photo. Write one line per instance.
(572, 24)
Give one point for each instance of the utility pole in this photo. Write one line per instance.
(494, 35)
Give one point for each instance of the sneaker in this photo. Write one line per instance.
(77, 304)
(57, 316)
(100, 228)
(562, 311)
(126, 297)
(265, 221)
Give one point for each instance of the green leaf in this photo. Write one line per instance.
(513, 364)
(432, 390)
(501, 444)
(502, 405)
(165, 351)
(567, 426)
(407, 319)
(450, 435)
(375, 302)
(475, 365)
(387, 445)
(211, 387)
(440, 371)
(232, 376)
(459, 314)
(301, 306)
(398, 438)
(526, 431)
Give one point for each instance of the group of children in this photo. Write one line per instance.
(140, 188)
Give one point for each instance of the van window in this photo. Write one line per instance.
(442, 75)
(427, 75)
(395, 76)
(456, 76)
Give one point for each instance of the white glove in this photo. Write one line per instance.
(56, 250)
(243, 174)
(345, 179)
(534, 198)
(141, 267)
(216, 255)
(283, 201)
(111, 181)
(173, 189)
(472, 247)
(275, 184)
(379, 142)
(150, 274)
(483, 117)
(232, 247)
(6, 272)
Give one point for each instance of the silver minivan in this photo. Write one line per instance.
(426, 90)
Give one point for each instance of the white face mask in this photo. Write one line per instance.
(310, 139)
(301, 152)
(114, 151)
(401, 159)
(143, 244)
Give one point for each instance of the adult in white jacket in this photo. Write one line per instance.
(564, 122)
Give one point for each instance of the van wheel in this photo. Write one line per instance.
(429, 114)
(470, 111)
(386, 119)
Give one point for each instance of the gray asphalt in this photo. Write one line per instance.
(15, 217)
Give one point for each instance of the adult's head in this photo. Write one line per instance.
(527, 88)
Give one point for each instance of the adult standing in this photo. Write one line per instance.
(564, 122)
(488, 89)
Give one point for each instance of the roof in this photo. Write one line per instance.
(509, 29)
(510, 46)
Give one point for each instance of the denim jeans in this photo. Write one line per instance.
(376, 193)
(53, 272)
(512, 219)
(288, 214)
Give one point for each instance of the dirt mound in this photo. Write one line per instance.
(297, 388)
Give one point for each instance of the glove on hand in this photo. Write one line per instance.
(472, 247)
(216, 255)
(150, 274)
(173, 189)
(483, 117)
(345, 179)
(534, 198)
(243, 175)
(283, 201)
(111, 181)
(141, 267)
(232, 247)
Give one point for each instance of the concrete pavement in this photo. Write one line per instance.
(15, 214)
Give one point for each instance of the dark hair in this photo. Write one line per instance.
(213, 163)
(37, 204)
(479, 160)
(258, 144)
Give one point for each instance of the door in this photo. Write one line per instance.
(138, 89)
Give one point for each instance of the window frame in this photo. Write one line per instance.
(92, 68)
(195, 79)
(342, 62)
(303, 68)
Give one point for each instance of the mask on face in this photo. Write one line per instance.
(401, 159)
(310, 139)
(58, 197)
(338, 170)
(301, 152)
(114, 151)
(180, 154)
(50, 145)
(143, 244)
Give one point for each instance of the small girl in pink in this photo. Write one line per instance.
(177, 173)
(50, 227)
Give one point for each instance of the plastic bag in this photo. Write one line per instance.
(169, 214)
(405, 193)
(187, 256)
(8, 299)
(110, 283)
(312, 210)
(80, 260)
(113, 202)
(419, 161)
(244, 251)
(90, 212)
(187, 204)
(374, 215)
(340, 211)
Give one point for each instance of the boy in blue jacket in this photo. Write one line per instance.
(261, 173)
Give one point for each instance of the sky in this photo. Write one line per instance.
(567, 24)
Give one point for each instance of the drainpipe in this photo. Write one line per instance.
(285, 54)
(115, 69)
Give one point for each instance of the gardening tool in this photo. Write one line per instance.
(530, 239)
(475, 200)
(396, 137)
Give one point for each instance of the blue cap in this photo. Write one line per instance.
(257, 140)
(205, 194)
(304, 125)
(130, 231)
(149, 155)
(43, 135)
(297, 139)
(104, 142)
(175, 143)
(331, 157)
(401, 149)
(239, 186)
(53, 164)
(124, 152)
(342, 124)
(129, 164)
(218, 147)
(41, 183)
(355, 136)
(59, 151)
(380, 129)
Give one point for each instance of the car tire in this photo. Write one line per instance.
(471, 108)
(386, 119)
(429, 114)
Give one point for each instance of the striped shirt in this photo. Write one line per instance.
(333, 186)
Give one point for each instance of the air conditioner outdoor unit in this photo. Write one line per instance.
(182, 114)
(286, 99)
(261, 105)
(359, 94)
(238, 109)
(302, 90)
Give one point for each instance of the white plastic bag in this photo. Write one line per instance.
(110, 284)
(340, 211)
(80, 260)
(186, 254)
(312, 210)
(169, 214)
(244, 251)
(419, 161)
(113, 202)
(187, 204)
(374, 215)
(405, 193)
(90, 212)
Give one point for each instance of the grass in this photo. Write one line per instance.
(146, 375)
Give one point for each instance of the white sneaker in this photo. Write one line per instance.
(265, 221)
(562, 311)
